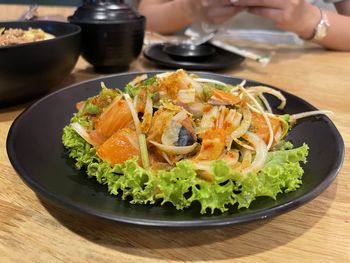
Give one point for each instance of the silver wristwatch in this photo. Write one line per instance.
(321, 30)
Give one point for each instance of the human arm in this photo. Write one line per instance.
(302, 17)
(164, 16)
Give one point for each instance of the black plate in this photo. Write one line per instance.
(219, 60)
(35, 150)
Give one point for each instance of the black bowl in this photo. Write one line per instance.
(110, 46)
(32, 69)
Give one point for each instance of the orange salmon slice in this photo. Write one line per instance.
(115, 117)
(121, 146)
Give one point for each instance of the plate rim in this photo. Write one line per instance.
(203, 223)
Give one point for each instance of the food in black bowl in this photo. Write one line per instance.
(112, 33)
(29, 70)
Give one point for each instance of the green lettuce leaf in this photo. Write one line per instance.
(181, 187)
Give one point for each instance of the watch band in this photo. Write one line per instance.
(321, 29)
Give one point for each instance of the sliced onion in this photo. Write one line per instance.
(210, 81)
(136, 99)
(81, 130)
(175, 149)
(171, 134)
(164, 75)
(271, 115)
(103, 85)
(186, 95)
(278, 135)
(147, 116)
(237, 119)
(230, 116)
(162, 94)
(243, 128)
(195, 108)
(208, 119)
(244, 145)
(133, 113)
(246, 158)
(202, 165)
(181, 116)
(220, 119)
(266, 118)
(229, 159)
(271, 91)
(218, 102)
(138, 79)
(204, 170)
(166, 158)
(265, 102)
(260, 153)
(297, 116)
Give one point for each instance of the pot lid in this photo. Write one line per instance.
(104, 11)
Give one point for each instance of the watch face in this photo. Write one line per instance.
(322, 29)
(322, 32)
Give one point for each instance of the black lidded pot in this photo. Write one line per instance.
(112, 34)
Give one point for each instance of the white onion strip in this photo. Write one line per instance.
(81, 130)
(260, 153)
(297, 116)
(175, 149)
(271, 115)
(265, 102)
(271, 91)
(164, 75)
(267, 120)
(210, 81)
(138, 79)
(246, 158)
(244, 145)
(166, 158)
(136, 100)
(133, 113)
(243, 128)
(148, 115)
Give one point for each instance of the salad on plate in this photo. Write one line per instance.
(178, 138)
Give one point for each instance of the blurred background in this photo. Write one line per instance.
(49, 9)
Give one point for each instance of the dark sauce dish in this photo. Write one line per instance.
(188, 51)
(30, 70)
(219, 60)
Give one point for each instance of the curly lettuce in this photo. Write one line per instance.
(181, 187)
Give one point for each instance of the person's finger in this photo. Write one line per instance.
(220, 15)
(260, 3)
(276, 15)
(214, 3)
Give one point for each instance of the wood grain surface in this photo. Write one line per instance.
(32, 230)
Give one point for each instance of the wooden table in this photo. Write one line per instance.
(34, 231)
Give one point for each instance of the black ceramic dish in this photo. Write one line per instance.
(112, 34)
(218, 60)
(187, 51)
(35, 150)
(32, 69)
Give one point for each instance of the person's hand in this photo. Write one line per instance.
(291, 15)
(211, 11)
